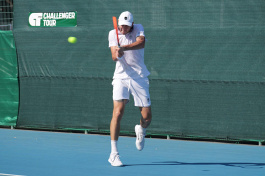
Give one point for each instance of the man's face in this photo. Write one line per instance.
(124, 29)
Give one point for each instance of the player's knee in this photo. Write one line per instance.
(147, 116)
(147, 119)
(117, 115)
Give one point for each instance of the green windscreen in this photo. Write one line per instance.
(206, 60)
(8, 80)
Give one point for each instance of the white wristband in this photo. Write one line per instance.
(119, 58)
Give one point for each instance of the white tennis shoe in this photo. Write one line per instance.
(114, 160)
(140, 135)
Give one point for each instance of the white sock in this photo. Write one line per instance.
(114, 148)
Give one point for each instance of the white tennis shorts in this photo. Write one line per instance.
(139, 89)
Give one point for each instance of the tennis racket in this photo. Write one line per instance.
(115, 25)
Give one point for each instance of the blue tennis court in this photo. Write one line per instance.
(38, 153)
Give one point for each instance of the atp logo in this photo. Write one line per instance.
(35, 19)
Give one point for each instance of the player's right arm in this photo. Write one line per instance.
(113, 45)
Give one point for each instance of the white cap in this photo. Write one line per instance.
(126, 18)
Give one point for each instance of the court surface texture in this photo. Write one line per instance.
(40, 153)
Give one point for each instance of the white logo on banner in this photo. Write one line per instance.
(35, 19)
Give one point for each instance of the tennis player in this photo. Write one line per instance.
(130, 77)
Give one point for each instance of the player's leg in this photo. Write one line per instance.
(140, 92)
(118, 111)
(146, 117)
(140, 130)
(120, 98)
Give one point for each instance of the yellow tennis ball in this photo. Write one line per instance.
(72, 39)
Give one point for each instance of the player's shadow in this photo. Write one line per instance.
(176, 163)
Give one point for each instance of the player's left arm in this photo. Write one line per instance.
(138, 44)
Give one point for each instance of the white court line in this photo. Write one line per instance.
(10, 174)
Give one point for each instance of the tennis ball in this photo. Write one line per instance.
(72, 39)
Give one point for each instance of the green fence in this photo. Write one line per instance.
(206, 60)
(8, 80)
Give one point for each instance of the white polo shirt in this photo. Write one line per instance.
(132, 63)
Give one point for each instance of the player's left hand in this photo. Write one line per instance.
(119, 51)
